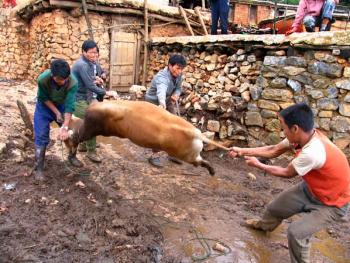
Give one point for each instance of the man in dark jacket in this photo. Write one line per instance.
(55, 102)
(90, 87)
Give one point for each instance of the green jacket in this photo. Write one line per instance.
(49, 90)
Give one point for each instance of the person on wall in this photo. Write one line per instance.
(313, 14)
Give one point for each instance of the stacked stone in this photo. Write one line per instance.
(13, 43)
(29, 49)
(60, 35)
(238, 96)
(319, 79)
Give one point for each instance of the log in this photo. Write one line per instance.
(25, 117)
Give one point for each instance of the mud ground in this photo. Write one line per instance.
(127, 211)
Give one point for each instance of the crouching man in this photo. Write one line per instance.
(55, 102)
(164, 92)
(323, 195)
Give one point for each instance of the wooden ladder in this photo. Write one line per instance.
(192, 18)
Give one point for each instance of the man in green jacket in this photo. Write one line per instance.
(55, 102)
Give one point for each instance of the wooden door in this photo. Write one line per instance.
(123, 60)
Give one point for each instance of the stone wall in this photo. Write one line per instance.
(236, 94)
(29, 48)
(14, 46)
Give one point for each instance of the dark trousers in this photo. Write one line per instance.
(219, 9)
(43, 116)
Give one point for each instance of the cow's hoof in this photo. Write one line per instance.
(155, 162)
(211, 171)
(174, 160)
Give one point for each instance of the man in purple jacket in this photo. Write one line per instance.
(314, 13)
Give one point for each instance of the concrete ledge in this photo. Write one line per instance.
(334, 38)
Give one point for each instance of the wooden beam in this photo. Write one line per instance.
(201, 20)
(87, 19)
(183, 13)
(145, 53)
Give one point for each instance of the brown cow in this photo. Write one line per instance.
(145, 125)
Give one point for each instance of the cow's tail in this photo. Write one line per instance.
(207, 140)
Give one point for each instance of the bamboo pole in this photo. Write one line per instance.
(145, 53)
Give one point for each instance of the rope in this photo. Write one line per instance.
(83, 173)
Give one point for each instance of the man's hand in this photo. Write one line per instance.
(235, 152)
(98, 81)
(291, 31)
(63, 133)
(59, 117)
(252, 161)
(174, 97)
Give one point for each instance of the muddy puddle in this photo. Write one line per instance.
(199, 211)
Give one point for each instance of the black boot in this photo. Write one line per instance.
(39, 163)
(74, 161)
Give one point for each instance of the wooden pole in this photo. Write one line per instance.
(183, 13)
(274, 18)
(203, 4)
(346, 25)
(201, 20)
(88, 22)
(145, 53)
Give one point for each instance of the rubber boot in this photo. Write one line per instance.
(39, 163)
(74, 161)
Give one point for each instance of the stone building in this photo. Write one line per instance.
(235, 85)
(38, 31)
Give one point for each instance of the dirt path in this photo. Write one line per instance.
(127, 211)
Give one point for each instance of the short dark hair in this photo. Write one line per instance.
(60, 68)
(299, 114)
(89, 44)
(177, 60)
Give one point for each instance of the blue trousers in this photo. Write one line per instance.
(43, 116)
(219, 9)
(310, 22)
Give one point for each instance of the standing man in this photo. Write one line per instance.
(219, 9)
(86, 70)
(314, 13)
(55, 102)
(323, 196)
(165, 91)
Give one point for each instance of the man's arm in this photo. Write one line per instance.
(88, 81)
(278, 171)
(300, 14)
(161, 86)
(270, 151)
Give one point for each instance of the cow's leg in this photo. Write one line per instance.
(206, 164)
(200, 161)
